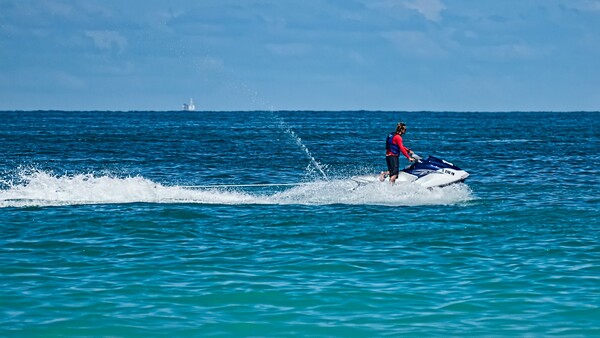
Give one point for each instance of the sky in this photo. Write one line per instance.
(393, 55)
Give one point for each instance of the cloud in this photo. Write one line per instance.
(55, 15)
(585, 5)
(210, 63)
(58, 8)
(415, 44)
(430, 9)
(289, 49)
(108, 40)
(188, 43)
(509, 52)
(69, 81)
(418, 15)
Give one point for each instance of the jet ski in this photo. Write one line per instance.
(429, 173)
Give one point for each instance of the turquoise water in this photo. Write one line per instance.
(101, 235)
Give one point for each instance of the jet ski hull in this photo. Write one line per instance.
(429, 173)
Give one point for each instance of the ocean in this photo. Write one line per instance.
(239, 224)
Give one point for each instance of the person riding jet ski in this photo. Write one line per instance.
(393, 147)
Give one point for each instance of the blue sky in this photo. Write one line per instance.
(401, 55)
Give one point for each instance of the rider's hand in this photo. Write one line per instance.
(411, 159)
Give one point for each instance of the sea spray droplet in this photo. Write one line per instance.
(255, 98)
(287, 129)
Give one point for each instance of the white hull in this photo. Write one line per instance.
(423, 174)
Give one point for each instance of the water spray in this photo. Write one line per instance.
(253, 95)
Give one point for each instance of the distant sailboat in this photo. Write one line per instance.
(189, 106)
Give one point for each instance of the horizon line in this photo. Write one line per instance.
(293, 111)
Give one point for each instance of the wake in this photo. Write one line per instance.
(43, 189)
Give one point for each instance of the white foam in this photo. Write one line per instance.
(41, 188)
(346, 192)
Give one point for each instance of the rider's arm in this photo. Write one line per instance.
(405, 151)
